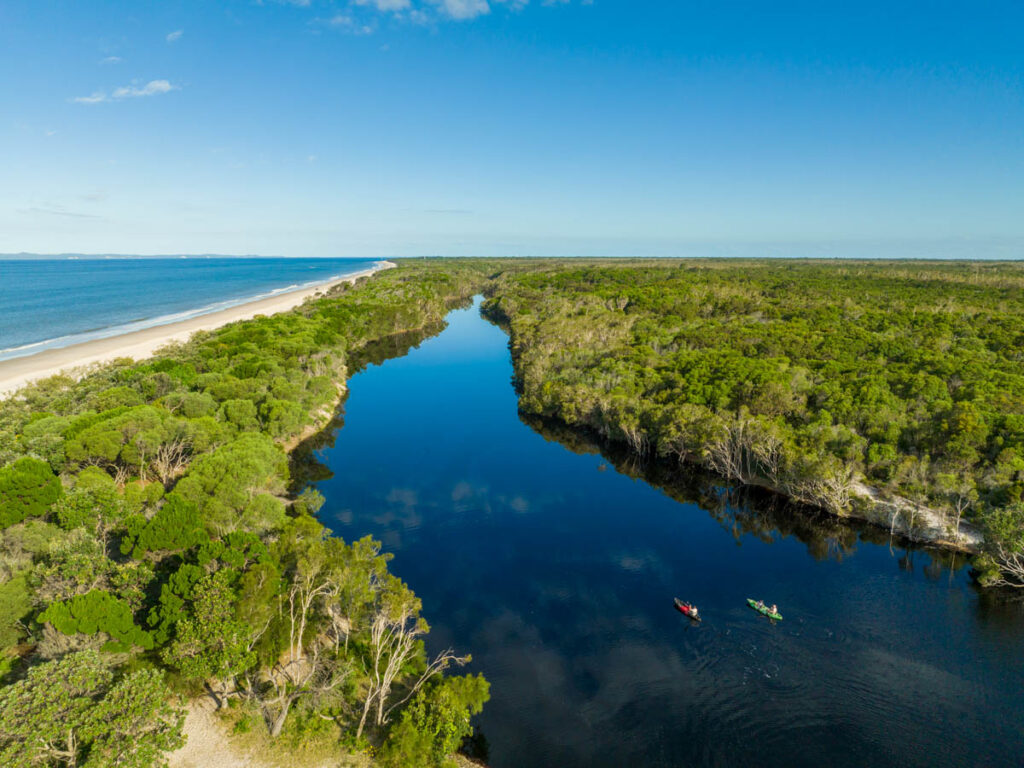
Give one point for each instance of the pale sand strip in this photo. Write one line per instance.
(77, 359)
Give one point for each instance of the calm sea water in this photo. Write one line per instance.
(557, 573)
(57, 302)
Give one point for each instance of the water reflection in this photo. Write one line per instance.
(745, 510)
(306, 467)
(556, 569)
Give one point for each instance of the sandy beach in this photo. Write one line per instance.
(76, 360)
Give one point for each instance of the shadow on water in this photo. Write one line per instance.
(305, 466)
(745, 510)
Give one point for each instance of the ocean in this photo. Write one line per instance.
(49, 303)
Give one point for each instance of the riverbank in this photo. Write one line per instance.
(267, 380)
(575, 560)
(898, 517)
(845, 390)
(78, 359)
(212, 739)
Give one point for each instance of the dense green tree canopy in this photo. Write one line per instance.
(234, 486)
(172, 541)
(809, 377)
(435, 723)
(73, 712)
(27, 489)
(97, 611)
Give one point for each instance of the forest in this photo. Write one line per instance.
(154, 546)
(153, 550)
(832, 383)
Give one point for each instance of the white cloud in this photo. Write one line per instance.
(385, 5)
(344, 21)
(57, 210)
(424, 12)
(152, 88)
(175, 35)
(96, 98)
(111, 60)
(463, 9)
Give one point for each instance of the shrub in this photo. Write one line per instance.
(98, 611)
(27, 489)
(175, 526)
(434, 724)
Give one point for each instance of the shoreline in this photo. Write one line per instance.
(916, 523)
(893, 514)
(76, 360)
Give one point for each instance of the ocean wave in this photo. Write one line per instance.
(107, 332)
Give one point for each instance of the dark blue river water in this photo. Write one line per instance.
(557, 573)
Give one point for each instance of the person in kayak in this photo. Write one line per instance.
(775, 608)
(693, 611)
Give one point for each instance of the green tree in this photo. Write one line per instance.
(1002, 561)
(134, 725)
(282, 418)
(234, 486)
(71, 712)
(94, 508)
(176, 526)
(98, 611)
(435, 723)
(44, 437)
(27, 489)
(210, 643)
(15, 604)
(241, 414)
(175, 595)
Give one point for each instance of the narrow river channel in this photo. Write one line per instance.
(557, 573)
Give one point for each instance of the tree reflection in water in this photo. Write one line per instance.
(747, 510)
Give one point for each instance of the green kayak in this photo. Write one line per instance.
(762, 608)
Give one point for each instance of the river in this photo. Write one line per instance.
(556, 571)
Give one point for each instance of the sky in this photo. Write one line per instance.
(372, 128)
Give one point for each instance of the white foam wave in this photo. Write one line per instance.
(139, 325)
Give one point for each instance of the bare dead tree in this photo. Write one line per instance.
(393, 636)
(315, 675)
(1011, 566)
(724, 455)
(636, 438)
(121, 474)
(172, 458)
(831, 492)
(439, 664)
(309, 585)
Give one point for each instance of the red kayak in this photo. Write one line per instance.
(686, 609)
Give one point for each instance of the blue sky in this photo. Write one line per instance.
(503, 127)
